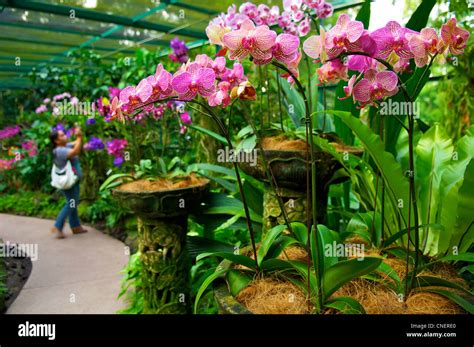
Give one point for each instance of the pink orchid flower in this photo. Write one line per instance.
(132, 96)
(235, 75)
(361, 63)
(392, 38)
(218, 65)
(332, 71)
(375, 86)
(215, 33)
(221, 96)
(343, 34)
(116, 110)
(160, 83)
(422, 45)
(349, 88)
(453, 37)
(256, 41)
(315, 46)
(194, 80)
(286, 48)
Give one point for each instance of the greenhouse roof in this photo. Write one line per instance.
(46, 32)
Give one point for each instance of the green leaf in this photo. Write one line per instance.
(345, 271)
(268, 241)
(112, 178)
(276, 264)
(433, 155)
(419, 18)
(197, 245)
(391, 273)
(364, 14)
(431, 281)
(237, 281)
(452, 180)
(205, 284)
(209, 133)
(234, 258)
(279, 246)
(399, 234)
(346, 305)
(327, 239)
(465, 219)
(456, 298)
(396, 184)
(213, 168)
(300, 232)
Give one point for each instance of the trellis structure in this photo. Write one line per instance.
(40, 32)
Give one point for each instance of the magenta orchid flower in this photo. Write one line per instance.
(392, 38)
(341, 37)
(375, 86)
(235, 75)
(160, 83)
(256, 41)
(315, 46)
(194, 80)
(132, 96)
(453, 37)
(286, 48)
(185, 118)
(221, 96)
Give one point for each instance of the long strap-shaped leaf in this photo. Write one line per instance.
(345, 271)
(390, 169)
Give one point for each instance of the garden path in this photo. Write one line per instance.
(79, 274)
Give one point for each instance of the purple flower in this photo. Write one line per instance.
(90, 121)
(180, 50)
(118, 161)
(94, 144)
(59, 127)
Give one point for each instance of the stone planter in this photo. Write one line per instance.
(162, 227)
(289, 170)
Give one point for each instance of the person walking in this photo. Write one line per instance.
(62, 152)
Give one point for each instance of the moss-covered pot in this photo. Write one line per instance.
(162, 227)
(289, 169)
(226, 302)
(162, 203)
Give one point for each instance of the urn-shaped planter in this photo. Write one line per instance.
(162, 212)
(287, 161)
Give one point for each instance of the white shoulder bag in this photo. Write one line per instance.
(63, 178)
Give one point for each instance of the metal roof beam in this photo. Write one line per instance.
(82, 32)
(96, 16)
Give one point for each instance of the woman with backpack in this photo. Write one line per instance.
(64, 152)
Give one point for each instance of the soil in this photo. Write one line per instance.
(283, 143)
(163, 184)
(18, 270)
(272, 295)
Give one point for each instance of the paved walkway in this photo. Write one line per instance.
(79, 274)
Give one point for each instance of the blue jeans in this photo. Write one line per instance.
(69, 209)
